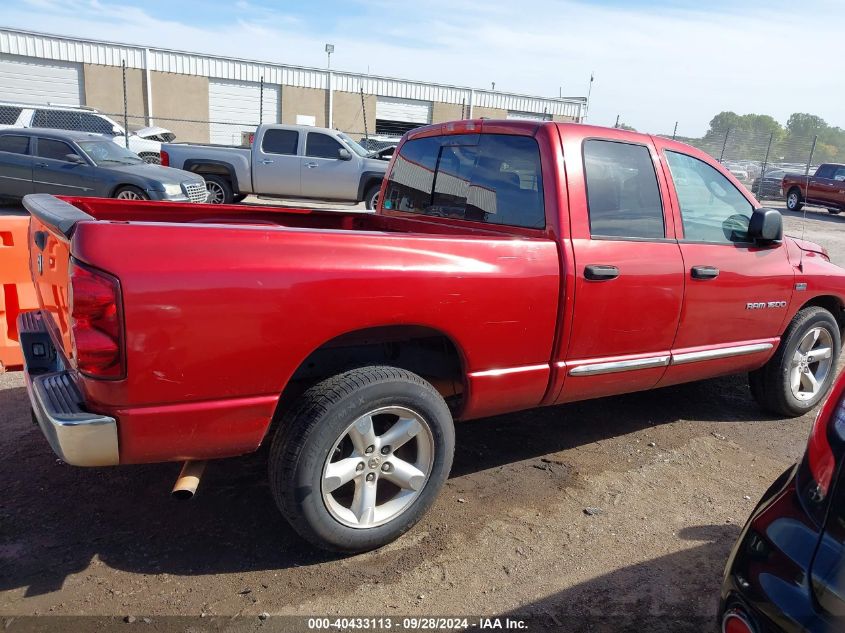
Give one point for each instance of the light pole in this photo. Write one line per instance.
(329, 51)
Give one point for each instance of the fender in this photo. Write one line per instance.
(368, 178)
(192, 163)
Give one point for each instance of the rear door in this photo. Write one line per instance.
(324, 173)
(737, 292)
(15, 165)
(53, 172)
(629, 273)
(276, 164)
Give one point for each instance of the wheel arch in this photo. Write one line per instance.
(832, 304)
(423, 350)
(123, 184)
(214, 168)
(368, 179)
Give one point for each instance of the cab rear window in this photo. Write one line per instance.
(490, 178)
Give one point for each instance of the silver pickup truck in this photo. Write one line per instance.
(285, 161)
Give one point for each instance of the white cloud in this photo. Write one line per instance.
(653, 65)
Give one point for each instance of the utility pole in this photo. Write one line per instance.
(589, 92)
(617, 122)
(329, 51)
(675, 131)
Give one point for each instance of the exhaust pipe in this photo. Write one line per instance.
(186, 485)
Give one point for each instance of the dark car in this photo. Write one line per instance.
(69, 163)
(787, 571)
(771, 184)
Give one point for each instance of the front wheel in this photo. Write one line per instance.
(371, 197)
(130, 192)
(793, 200)
(801, 372)
(361, 457)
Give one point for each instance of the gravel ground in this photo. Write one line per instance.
(673, 472)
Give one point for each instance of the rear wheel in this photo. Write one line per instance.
(793, 200)
(361, 457)
(130, 192)
(219, 189)
(371, 197)
(801, 372)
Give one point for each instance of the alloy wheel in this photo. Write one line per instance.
(811, 364)
(378, 467)
(129, 194)
(216, 195)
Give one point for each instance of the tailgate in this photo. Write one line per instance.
(52, 224)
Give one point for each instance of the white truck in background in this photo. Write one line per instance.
(284, 161)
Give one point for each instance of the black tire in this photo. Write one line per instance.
(311, 428)
(220, 187)
(770, 384)
(238, 198)
(371, 196)
(834, 211)
(130, 192)
(795, 203)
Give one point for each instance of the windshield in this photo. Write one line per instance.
(109, 153)
(354, 146)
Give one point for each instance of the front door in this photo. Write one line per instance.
(276, 164)
(737, 292)
(629, 273)
(53, 172)
(325, 174)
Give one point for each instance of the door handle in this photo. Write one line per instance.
(704, 272)
(41, 165)
(40, 239)
(310, 165)
(266, 161)
(600, 272)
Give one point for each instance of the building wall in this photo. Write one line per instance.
(348, 116)
(309, 101)
(103, 87)
(441, 112)
(181, 97)
(489, 113)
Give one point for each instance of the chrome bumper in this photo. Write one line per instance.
(80, 438)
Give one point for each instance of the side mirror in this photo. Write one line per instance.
(75, 158)
(344, 154)
(766, 226)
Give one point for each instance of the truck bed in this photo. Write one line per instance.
(222, 306)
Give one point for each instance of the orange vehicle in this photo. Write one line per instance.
(18, 292)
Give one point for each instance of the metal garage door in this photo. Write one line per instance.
(238, 102)
(394, 116)
(40, 81)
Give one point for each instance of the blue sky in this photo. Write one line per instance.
(655, 62)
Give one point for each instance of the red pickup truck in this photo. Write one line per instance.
(509, 265)
(825, 188)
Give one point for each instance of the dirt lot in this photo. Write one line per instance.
(675, 472)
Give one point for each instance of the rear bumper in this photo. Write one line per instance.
(77, 436)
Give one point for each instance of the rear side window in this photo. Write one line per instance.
(14, 144)
(9, 114)
(55, 150)
(322, 146)
(622, 194)
(840, 174)
(491, 178)
(280, 142)
(71, 120)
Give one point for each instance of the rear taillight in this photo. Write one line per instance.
(96, 322)
(824, 452)
(165, 158)
(736, 621)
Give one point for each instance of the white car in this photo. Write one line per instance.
(142, 142)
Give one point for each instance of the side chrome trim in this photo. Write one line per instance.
(507, 370)
(593, 369)
(724, 352)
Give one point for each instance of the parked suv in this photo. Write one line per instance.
(83, 119)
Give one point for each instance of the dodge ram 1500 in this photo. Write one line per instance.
(509, 265)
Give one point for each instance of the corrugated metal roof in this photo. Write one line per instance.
(57, 47)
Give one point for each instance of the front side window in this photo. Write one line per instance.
(825, 171)
(839, 176)
(282, 142)
(712, 209)
(322, 146)
(94, 123)
(14, 144)
(622, 194)
(54, 150)
(491, 178)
